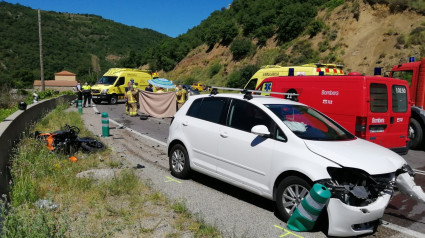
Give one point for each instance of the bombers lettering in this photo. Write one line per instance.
(330, 93)
(378, 120)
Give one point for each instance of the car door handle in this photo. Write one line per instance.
(224, 134)
(185, 123)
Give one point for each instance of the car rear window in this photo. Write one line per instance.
(209, 109)
(378, 97)
(399, 98)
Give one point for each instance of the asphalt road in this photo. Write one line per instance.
(402, 215)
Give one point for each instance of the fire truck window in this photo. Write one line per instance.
(405, 75)
(399, 98)
(378, 97)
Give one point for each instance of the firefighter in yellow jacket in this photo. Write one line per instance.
(181, 96)
(132, 97)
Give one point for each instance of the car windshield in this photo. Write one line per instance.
(308, 123)
(109, 80)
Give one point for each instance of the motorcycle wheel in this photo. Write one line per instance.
(91, 145)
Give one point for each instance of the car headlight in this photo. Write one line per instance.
(104, 91)
(406, 169)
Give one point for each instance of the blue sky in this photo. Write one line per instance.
(170, 17)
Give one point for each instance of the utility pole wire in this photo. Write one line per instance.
(41, 52)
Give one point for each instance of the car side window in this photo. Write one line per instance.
(244, 116)
(210, 109)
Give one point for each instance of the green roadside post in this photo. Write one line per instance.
(80, 107)
(105, 124)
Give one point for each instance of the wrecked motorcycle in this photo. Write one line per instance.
(67, 141)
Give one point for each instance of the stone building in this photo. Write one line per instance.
(63, 81)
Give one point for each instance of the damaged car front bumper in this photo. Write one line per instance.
(359, 200)
(347, 220)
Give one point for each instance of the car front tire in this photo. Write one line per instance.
(290, 192)
(179, 161)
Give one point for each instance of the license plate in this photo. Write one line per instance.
(95, 96)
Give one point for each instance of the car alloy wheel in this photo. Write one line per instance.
(290, 192)
(292, 196)
(179, 161)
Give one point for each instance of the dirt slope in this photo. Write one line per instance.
(361, 44)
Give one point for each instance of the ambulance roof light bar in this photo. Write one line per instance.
(248, 92)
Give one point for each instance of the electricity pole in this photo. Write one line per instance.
(41, 52)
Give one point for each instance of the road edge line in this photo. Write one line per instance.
(401, 229)
(138, 133)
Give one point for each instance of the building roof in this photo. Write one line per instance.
(65, 73)
(56, 83)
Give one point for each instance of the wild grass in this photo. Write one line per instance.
(86, 207)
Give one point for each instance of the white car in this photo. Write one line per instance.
(278, 149)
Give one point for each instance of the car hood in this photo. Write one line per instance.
(358, 153)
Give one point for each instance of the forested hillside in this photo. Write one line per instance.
(224, 49)
(86, 45)
(231, 44)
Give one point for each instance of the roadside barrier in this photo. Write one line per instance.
(306, 213)
(13, 128)
(105, 124)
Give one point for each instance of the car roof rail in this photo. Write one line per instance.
(248, 92)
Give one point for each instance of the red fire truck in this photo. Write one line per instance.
(373, 108)
(414, 73)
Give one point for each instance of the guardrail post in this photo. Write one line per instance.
(105, 124)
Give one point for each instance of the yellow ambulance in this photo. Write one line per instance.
(111, 87)
(268, 71)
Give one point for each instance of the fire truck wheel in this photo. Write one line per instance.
(415, 134)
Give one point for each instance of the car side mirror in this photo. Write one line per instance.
(260, 130)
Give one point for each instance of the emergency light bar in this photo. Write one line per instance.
(248, 92)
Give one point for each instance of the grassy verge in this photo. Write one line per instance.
(87, 207)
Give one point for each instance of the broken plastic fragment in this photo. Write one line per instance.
(407, 185)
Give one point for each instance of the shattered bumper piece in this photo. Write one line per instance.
(346, 220)
(407, 185)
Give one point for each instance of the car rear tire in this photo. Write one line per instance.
(114, 99)
(415, 134)
(179, 161)
(290, 192)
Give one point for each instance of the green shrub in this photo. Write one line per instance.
(315, 27)
(333, 4)
(214, 69)
(238, 79)
(241, 47)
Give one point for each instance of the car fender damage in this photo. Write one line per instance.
(407, 185)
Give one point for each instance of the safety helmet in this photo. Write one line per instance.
(22, 106)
